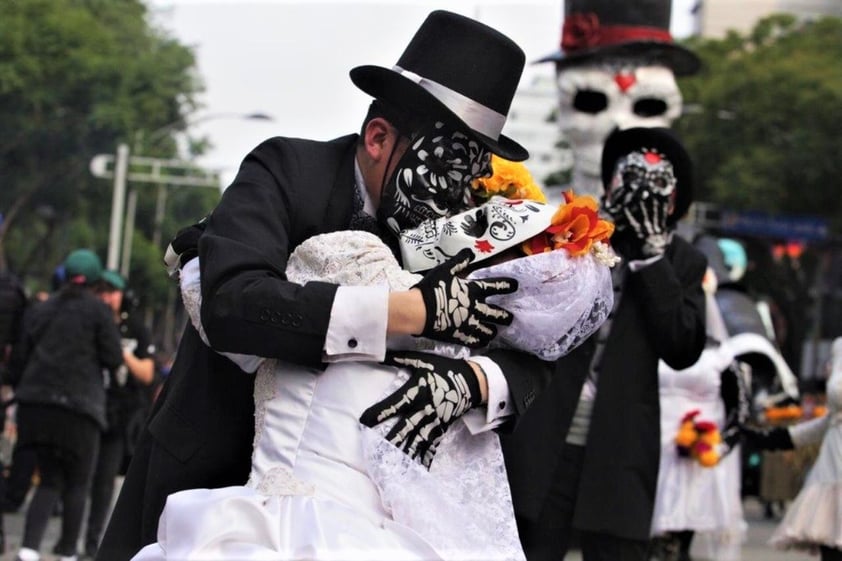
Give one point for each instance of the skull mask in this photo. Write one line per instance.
(595, 99)
(433, 177)
(638, 176)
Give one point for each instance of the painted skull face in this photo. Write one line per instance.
(638, 175)
(596, 99)
(433, 177)
(488, 229)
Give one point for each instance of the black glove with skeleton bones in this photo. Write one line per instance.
(438, 392)
(640, 201)
(456, 308)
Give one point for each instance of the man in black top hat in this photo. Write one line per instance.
(585, 455)
(436, 119)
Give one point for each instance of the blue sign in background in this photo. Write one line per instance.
(753, 223)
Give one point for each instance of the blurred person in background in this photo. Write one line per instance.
(814, 519)
(702, 410)
(18, 479)
(12, 306)
(57, 372)
(128, 398)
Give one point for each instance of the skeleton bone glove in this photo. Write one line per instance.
(640, 200)
(439, 391)
(456, 308)
(647, 217)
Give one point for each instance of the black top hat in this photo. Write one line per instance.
(665, 142)
(594, 29)
(455, 68)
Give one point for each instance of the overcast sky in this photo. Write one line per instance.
(290, 59)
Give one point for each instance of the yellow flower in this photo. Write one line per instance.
(509, 179)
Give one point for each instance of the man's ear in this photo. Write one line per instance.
(378, 139)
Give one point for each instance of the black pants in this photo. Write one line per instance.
(550, 539)
(830, 553)
(112, 447)
(19, 479)
(65, 474)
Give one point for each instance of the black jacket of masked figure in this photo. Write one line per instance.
(661, 314)
(201, 429)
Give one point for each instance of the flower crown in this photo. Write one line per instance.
(576, 226)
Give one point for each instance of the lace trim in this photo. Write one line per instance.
(462, 505)
(280, 482)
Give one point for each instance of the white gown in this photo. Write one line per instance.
(815, 516)
(689, 496)
(324, 487)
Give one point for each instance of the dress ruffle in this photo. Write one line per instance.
(814, 517)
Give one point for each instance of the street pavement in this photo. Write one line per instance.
(754, 549)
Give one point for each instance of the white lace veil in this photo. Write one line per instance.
(560, 299)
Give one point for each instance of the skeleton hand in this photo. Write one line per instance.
(439, 391)
(644, 213)
(456, 308)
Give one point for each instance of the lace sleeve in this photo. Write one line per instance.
(560, 301)
(191, 296)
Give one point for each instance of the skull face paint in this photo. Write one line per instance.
(596, 99)
(638, 176)
(433, 177)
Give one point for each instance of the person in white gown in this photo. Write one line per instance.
(692, 499)
(324, 486)
(813, 521)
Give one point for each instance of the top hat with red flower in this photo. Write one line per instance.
(600, 29)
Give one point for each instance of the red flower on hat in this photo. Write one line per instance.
(580, 31)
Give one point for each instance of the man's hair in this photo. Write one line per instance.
(407, 122)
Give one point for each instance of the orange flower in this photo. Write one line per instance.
(686, 435)
(510, 179)
(706, 454)
(787, 412)
(575, 227)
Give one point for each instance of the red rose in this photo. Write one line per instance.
(580, 31)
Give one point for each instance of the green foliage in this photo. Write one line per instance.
(770, 103)
(77, 77)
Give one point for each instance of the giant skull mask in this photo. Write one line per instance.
(597, 98)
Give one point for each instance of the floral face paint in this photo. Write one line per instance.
(433, 177)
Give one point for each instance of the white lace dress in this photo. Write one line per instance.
(815, 516)
(324, 487)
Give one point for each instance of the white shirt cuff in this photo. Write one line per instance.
(499, 401)
(357, 329)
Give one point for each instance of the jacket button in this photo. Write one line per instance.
(352, 343)
(501, 405)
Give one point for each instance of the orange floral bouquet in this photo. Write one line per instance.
(698, 439)
(576, 226)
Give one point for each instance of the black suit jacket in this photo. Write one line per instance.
(201, 430)
(661, 315)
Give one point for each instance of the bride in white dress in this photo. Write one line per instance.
(325, 487)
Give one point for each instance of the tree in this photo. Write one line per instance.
(76, 78)
(769, 111)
